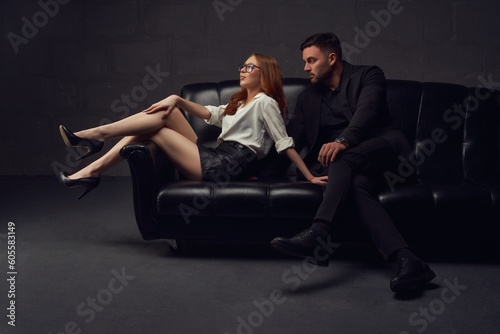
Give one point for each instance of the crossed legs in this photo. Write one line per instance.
(355, 172)
(172, 134)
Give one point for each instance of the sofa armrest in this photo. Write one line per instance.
(149, 169)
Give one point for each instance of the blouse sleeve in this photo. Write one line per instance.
(276, 127)
(216, 115)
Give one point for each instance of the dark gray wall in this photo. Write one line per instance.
(75, 62)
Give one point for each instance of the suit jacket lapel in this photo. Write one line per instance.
(316, 107)
(346, 83)
(315, 114)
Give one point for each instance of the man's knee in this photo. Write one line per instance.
(362, 185)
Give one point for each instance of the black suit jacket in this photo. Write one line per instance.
(364, 103)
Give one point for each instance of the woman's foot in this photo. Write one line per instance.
(82, 174)
(91, 146)
(90, 183)
(94, 134)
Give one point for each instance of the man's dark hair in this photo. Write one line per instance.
(326, 42)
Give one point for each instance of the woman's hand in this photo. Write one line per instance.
(167, 105)
(297, 160)
(321, 180)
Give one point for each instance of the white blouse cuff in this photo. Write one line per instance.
(214, 115)
(283, 144)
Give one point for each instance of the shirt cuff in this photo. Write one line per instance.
(214, 115)
(283, 144)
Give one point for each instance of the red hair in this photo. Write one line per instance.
(271, 83)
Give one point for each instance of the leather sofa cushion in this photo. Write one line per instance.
(257, 199)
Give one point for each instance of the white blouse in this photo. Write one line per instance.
(256, 125)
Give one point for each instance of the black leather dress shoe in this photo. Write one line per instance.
(307, 244)
(412, 273)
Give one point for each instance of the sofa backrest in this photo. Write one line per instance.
(219, 93)
(481, 147)
(454, 130)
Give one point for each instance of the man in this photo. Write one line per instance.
(344, 121)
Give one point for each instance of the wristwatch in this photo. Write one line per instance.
(343, 141)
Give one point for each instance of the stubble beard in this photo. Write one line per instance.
(321, 77)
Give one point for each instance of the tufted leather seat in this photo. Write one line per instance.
(451, 192)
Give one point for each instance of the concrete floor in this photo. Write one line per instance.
(82, 267)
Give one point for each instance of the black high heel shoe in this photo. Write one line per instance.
(90, 183)
(91, 145)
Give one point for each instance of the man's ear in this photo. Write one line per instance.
(332, 58)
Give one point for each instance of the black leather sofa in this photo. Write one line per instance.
(451, 192)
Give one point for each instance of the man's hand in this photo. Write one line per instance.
(329, 152)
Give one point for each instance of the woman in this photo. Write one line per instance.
(251, 121)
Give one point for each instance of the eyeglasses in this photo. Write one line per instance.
(248, 67)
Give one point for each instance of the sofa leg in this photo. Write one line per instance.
(175, 245)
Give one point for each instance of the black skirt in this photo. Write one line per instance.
(227, 162)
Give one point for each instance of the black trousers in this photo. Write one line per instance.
(358, 172)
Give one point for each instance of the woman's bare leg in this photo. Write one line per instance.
(108, 160)
(140, 124)
(179, 143)
(182, 152)
(177, 122)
